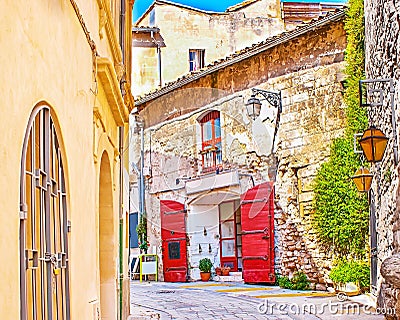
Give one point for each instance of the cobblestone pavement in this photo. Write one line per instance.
(224, 301)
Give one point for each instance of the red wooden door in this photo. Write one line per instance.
(173, 235)
(257, 209)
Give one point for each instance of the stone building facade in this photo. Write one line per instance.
(305, 65)
(64, 64)
(205, 35)
(382, 62)
(214, 35)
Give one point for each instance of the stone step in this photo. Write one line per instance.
(233, 277)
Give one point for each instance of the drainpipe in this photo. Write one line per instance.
(121, 165)
(142, 191)
(159, 64)
(121, 217)
(122, 30)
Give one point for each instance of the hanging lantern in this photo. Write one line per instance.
(373, 142)
(363, 179)
(253, 106)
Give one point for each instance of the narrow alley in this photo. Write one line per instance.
(223, 301)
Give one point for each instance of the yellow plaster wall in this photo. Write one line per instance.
(45, 57)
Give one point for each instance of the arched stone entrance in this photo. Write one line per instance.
(107, 244)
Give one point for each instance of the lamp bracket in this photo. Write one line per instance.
(273, 98)
(357, 137)
(370, 96)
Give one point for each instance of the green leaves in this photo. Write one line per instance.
(357, 119)
(205, 265)
(299, 281)
(340, 212)
(351, 271)
(141, 230)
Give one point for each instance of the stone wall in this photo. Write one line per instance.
(313, 115)
(316, 48)
(382, 58)
(308, 73)
(219, 34)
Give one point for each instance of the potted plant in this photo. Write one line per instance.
(225, 270)
(350, 276)
(205, 266)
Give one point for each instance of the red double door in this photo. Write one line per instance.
(257, 221)
(255, 234)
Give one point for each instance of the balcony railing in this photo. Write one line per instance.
(211, 159)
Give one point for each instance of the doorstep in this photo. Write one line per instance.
(233, 277)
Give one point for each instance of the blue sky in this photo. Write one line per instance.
(140, 6)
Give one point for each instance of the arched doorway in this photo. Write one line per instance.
(44, 278)
(107, 253)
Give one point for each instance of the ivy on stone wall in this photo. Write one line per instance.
(357, 120)
(341, 214)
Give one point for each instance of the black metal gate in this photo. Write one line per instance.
(44, 279)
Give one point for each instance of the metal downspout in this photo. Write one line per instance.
(159, 64)
(121, 164)
(121, 219)
(142, 191)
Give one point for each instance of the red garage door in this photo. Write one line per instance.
(173, 235)
(257, 210)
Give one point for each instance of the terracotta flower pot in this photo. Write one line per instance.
(218, 271)
(225, 271)
(205, 276)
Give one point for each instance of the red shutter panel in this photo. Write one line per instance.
(173, 235)
(257, 209)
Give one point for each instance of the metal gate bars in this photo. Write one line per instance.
(44, 279)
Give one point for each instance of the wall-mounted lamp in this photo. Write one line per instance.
(363, 179)
(253, 106)
(373, 141)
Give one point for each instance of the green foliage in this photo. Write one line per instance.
(340, 213)
(357, 119)
(351, 271)
(141, 230)
(143, 246)
(205, 265)
(284, 282)
(299, 281)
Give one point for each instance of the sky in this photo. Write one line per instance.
(140, 6)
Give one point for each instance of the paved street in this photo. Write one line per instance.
(213, 300)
